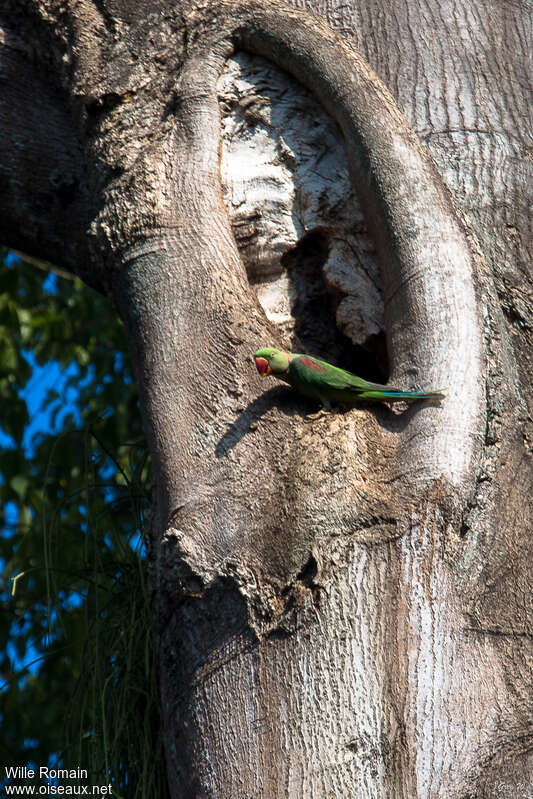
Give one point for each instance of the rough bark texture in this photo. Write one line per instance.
(344, 603)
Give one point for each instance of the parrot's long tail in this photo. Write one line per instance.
(409, 396)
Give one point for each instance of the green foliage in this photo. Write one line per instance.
(74, 502)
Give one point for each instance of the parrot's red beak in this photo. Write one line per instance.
(263, 367)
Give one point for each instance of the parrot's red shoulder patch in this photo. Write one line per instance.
(311, 364)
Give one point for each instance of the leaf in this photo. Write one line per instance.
(82, 355)
(19, 484)
(8, 353)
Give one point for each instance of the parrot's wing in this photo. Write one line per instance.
(322, 378)
(318, 374)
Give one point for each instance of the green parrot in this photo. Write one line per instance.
(322, 381)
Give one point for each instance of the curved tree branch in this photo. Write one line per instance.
(427, 260)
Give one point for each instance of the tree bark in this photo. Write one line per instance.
(343, 603)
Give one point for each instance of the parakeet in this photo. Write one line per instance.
(326, 383)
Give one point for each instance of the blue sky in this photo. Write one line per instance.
(43, 378)
(52, 417)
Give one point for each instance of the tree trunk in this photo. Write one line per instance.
(343, 602)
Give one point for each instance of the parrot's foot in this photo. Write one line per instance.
(312, 417)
